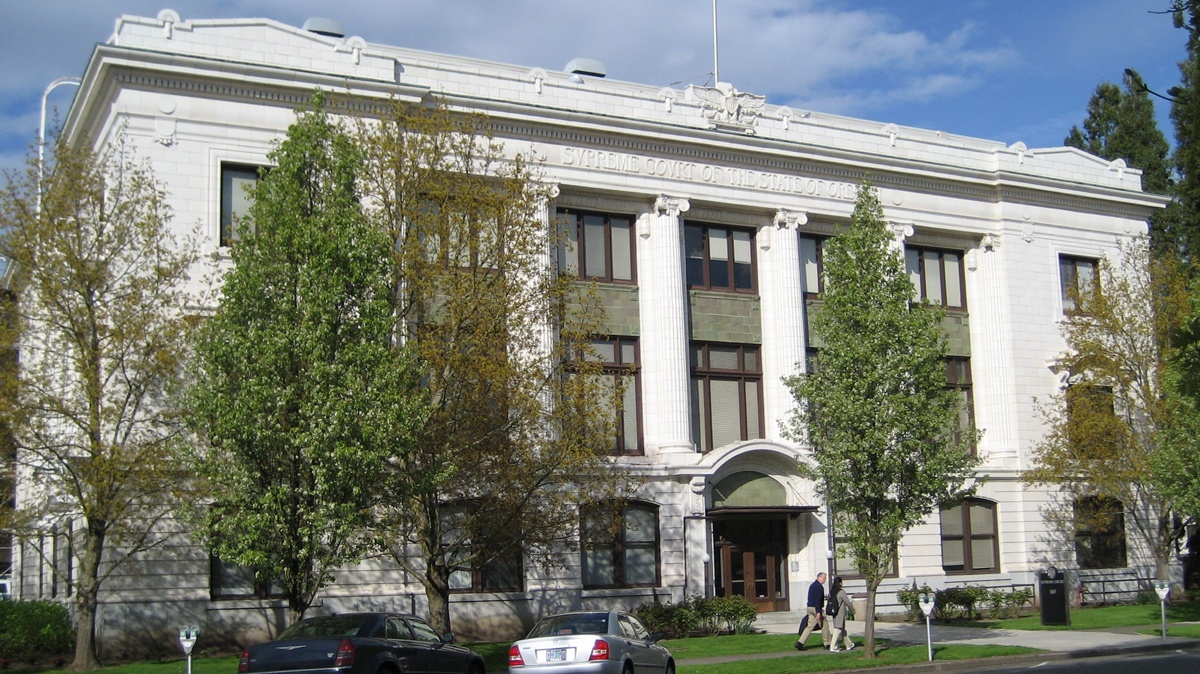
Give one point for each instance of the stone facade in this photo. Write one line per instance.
(197, 95)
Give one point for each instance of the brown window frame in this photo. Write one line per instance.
(577, 219)
(615, 534)
(702, 376)
(925, 258)
(968, 536)
(1069, 267)
(707, 264)
(228, 235)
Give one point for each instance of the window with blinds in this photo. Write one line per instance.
(726, 394)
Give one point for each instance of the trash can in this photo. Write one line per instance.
(1053, 597)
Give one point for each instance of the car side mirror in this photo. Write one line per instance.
(448, 638)
(657, 636)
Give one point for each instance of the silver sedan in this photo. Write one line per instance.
(593, 642)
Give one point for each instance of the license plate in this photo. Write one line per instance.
(556, 655)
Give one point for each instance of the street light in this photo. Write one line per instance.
(42, 131)
(1138, 84)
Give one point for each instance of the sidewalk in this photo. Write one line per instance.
(1057, 644)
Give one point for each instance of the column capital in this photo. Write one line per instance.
(901, 230)
(785, 219)
(673, 206)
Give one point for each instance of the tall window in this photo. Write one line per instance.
(1077, 277)
(726, 394)
(958, 379)
(503, 573)
(235, 199)
(719, 258)
(621, 387)
(600, 246)
(1099, 533)
(620, 546)
(812, 259)
(937, 276)
(969, 540)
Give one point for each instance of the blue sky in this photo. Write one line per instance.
(1006, 70)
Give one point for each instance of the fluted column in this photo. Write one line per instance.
(782, 298)
(663, 314)
(994, 387)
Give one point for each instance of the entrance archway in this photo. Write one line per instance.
(749, 525)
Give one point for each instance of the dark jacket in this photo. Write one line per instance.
(816, 596)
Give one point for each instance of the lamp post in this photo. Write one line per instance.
(41, 139)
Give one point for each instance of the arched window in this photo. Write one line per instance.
(620, 546)
(969, 540)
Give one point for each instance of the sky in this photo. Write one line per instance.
(1004, 70)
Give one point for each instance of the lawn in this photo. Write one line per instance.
(1133, 615)
(827, 662)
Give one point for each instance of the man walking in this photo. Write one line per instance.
(816, 612)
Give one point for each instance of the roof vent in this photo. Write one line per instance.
(585, 66)
(326, 27)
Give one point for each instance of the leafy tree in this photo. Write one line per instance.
(100, 324)
(518, 426)
(1121, 125)
(875, 408)
(1105, 429)
(303, 396)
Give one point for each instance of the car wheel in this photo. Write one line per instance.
(670, 668)
(475, 668)
(628, 669)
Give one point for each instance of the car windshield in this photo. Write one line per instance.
(571, 623)
(325, 626)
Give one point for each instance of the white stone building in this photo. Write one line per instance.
(701, 213)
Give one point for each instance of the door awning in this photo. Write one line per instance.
(727, 511)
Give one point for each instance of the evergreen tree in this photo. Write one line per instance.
(875, 408)
(1120, 125)
(303, 399)
(1185, 113)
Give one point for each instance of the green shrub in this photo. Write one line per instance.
(911, 599)
(736, 612)
(34, 630)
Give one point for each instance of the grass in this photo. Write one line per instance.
(1105, 617)
(826, 662)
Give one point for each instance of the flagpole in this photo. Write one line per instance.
(716, 69)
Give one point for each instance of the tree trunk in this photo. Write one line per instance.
(869, 623)
(86, 595)
(437, 593)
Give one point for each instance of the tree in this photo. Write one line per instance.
(1185, 113)
(1121, 125)
(101, 321)
(1105, 428)
(519, 425)
(302, 393)
(887, 447)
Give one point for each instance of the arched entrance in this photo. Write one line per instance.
(749, 517)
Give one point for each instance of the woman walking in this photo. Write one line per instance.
(838, 594)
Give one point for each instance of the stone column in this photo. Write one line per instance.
(992, 339)
(663, 315)
(782, 304)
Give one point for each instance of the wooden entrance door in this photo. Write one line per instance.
(751, 560)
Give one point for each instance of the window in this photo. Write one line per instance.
(600, 247)
(958, 379)
(969, 541)
(1077, 277)
(235, 199)
(719, 258)
(812, 260)
(621, 387)
(1099, 533)
(726, 394)
(937, 276)
(499, 567)
(620, 546)
(227, 580)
